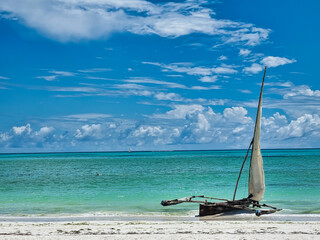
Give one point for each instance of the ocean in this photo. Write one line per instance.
(134, 183)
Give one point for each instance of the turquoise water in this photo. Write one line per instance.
(136, 182)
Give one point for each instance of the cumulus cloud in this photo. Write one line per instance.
(24, 136)
(276, 120)
(70, 20)
(44, 131)
(22, 130)
(272, 124)
(148, 131)
(143, 135)
(203, 125)
(89, 132)
(302, 131)
(237, 114)
(4, 137)
(305, 125)
(183, 124)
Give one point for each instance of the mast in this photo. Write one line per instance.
(256, 173)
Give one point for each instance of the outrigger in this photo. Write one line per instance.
(256, 181)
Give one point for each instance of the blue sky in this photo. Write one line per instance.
(104, 75)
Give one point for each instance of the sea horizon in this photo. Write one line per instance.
(178, 150)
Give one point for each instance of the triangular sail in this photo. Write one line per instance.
(256, 178)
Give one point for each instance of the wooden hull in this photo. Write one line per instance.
(222, 207)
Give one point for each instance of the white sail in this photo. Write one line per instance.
(256, 178)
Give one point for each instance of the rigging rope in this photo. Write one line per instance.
(235, 190)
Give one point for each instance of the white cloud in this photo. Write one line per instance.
(271, 61)
(180, 111)
(254, 68)
(71, 89)
(87, 116)
(22, 130)
(24, 137)
(249, 35)
(130, 86)
(203, 125)
(210, 79)
(155, 135)
(206, 88)
(279, 84)
(197, 129)
(183, 124)
(62, 73)
(301, 91)
(157, 82)
(224, 69)
(144, 131)
(206, 74)
(277, 117)
(222, 58)
(244, 91)
(305, 125)
(70, 20)
(168, 96)
(49, 78)
(89, 132)
(183, 68)
(56, 75)
(95, 70)
(244, 52)
(238, 130)
(237, 114)
(4, 137)
(44, 131)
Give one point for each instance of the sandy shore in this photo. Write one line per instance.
(161, 230)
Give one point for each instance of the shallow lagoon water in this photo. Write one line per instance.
(134, 183)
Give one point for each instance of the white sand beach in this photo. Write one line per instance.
(161, 230)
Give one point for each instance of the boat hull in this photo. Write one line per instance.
(222, 207)
(211, 209)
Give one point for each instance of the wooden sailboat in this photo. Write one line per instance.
(256, 186)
